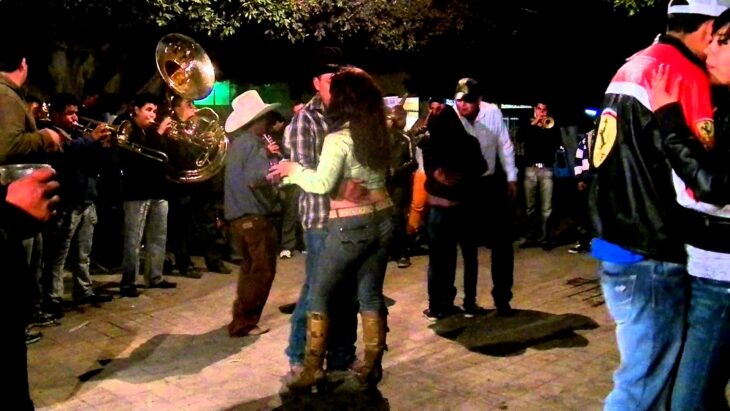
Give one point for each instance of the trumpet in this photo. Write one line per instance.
(543, 122)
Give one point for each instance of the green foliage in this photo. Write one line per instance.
(633, 6)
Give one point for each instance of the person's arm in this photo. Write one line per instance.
(328, 172)
(505, 148)
(709, 180)
(14, 138)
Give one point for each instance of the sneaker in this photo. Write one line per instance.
(129, 291)
(472, 310)
(579, 248)
(32, 337)
(164, 284)
(404, 262)
(285, 254)
(433, 315)
(43, 319)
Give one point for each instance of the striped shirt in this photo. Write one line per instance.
(305, 138)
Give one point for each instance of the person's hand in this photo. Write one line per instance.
(32, 193)
(582, 185)
(661, 90)
(55, 137)
(164, 126)
(512, 190)
(280, 170)
(446, 178)
(273, 148)
(100, 132)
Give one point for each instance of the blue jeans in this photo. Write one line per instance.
(704, 368)
(355, 247)
(144, 219)
(70, 237)
(647, 300)
(343, 332)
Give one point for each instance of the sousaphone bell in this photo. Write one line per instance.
(197, 151)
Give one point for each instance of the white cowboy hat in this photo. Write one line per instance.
(247, 107)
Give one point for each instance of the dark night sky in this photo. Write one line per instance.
(566, 51)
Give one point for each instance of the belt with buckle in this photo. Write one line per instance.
(360, 210)
(539, 165)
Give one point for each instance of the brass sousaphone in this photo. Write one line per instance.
(199, 145)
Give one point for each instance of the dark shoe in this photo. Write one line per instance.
(32, 337)
(547, 245)
(129, 291)
(579, 248)
(472, 310)
(220, 268)
(93, 299)
(287, 308)
(529, 244)
(43, 319)
(432, 315)
(164, 284)
(54, 308)
(505, 310)
(191, 273)
(404, 262)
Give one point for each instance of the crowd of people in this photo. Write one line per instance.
(653, 180)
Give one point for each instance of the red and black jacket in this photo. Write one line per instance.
(633, 201)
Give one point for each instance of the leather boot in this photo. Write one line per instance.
(374, 328)
(312, 373)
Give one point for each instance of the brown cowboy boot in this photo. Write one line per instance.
(374, 328)
(312, 374)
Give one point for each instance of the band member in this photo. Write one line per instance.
(144, 198)
(541, 140)
(73, 231)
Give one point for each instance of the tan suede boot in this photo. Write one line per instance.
(374, 328)
(312, 373)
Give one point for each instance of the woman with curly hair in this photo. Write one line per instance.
(352, 169)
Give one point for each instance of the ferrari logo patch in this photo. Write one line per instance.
(706, 132)
(605, 138)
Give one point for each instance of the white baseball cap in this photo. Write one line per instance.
(705, 7)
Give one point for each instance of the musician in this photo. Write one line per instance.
(249, 202)
(144, 197)
(77, 167)
(540, 139)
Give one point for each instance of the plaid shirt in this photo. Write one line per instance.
(304, 137)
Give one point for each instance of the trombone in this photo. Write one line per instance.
(121, 134)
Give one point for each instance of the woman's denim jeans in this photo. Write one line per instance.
(356, 246)
(148, 219)
(647, 300)
(704, 369)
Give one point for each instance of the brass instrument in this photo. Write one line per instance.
(120, 134)
(198, 146)
(419, 131)
(544, 122)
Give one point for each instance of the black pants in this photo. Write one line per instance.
(493, 219)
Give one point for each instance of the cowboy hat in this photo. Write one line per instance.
(247, 107)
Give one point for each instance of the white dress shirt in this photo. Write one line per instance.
(493, 136)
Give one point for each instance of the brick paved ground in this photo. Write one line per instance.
(168, 349)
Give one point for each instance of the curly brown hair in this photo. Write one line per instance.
(358, 100)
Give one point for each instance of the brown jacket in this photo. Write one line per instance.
(19, 136)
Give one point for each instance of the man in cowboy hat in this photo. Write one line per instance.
(249, 200)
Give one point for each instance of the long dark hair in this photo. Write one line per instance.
(357, 99)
